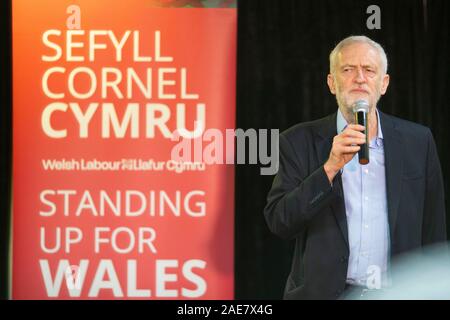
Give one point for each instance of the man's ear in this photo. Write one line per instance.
(385, 84)
(331, 84)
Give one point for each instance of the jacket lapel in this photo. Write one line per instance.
(393, 150)
(324, 142)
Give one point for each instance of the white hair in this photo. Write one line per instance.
(357, 39)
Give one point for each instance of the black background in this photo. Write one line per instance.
(283, 49)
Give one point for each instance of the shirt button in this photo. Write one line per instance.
(366, 170)
(366, 226)
(366, 198)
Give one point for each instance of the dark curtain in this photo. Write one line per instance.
(283, 49)
(5, 143)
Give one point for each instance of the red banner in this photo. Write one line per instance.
(101, 209)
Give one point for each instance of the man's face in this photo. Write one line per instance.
(358, 75)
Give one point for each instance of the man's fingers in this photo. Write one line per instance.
(352, 134)
(347, 141)
(350, 149)
(353, 141)
(353, 130)
(356, 127)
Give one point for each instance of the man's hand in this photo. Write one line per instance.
(345, 146)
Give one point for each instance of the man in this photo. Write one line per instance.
(349, 220)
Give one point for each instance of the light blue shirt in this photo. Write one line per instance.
(366, 210)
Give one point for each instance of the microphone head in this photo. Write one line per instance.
(361, 105)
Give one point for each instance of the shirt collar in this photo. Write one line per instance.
(341, 123)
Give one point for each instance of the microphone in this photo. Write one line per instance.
(361, 110)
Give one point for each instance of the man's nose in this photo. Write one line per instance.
(360, 78)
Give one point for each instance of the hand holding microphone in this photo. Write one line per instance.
(350, 141)
(345, 146)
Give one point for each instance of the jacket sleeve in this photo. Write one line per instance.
(296, 196)
(433, 227)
